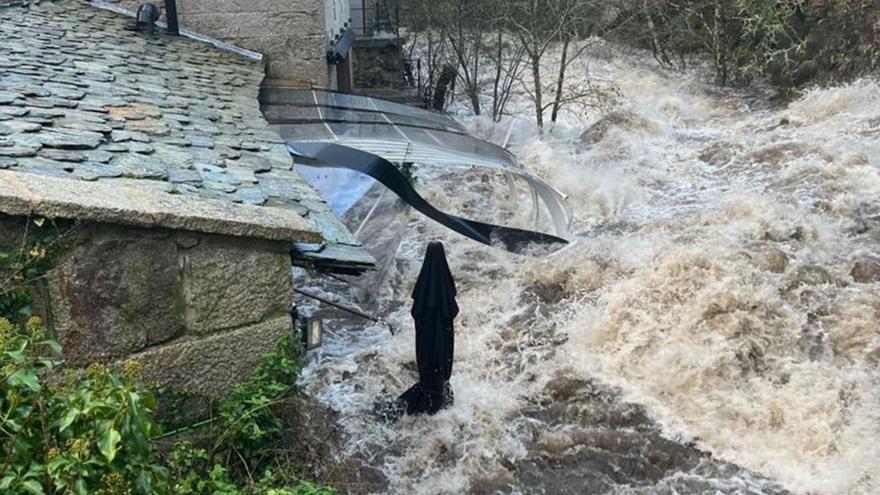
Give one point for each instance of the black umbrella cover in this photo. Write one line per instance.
(434, 310)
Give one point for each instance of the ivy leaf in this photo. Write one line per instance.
(54, 345)
(32, 486)
(17, 357)
(25, 377)
(107, 443)
(68, 420)
(39, 221)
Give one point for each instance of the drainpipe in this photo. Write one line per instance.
(171, 17)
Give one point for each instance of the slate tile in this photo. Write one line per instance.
(252, 195)
(99, 156)
(142, 148)
(21, 125)
(255, 162)
(7, 97)
(18, 151)
(91, 171)
(70, 140)
(140, 167)
(62, 155)
(180, 175)
(43, 166)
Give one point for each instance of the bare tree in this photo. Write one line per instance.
(502, 45)
(540, 25)
(454, 30)
(508, 61)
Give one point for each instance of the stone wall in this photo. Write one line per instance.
(291, 34)
(197, 310)
(378, 63)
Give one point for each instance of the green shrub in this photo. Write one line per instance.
(187, 461)
(249, 423)
(89, 431)
(81, 433)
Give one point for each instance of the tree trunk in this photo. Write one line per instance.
(496, 90)
(474, 95)
(560, 81)
(447, 79)
(719, 45)
(474, 84)
(657, 47)
(536, 77)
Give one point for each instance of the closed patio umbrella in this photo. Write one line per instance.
(434, 311)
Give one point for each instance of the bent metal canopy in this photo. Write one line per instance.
(368, 135)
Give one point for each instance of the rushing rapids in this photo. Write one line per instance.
(713, 329)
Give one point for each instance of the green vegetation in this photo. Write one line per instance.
(242, 441)
(408, 169)
(93, 431)
(25, 261)
(86, 432)
(790, 43)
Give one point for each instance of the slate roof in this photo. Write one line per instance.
(85, 97)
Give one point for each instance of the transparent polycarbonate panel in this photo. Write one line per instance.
(399, 133)
(355, 102)
(341, 188)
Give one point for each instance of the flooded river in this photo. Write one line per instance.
(714, 328)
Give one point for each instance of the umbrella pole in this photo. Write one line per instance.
(345, 308)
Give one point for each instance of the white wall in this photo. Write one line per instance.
(336, 14)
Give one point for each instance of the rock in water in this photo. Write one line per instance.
(866, 270)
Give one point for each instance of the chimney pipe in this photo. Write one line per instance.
(171, 17)
(147, 14)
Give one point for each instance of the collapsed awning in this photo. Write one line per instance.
(369, 135)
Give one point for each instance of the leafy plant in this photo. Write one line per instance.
(89, 431)
(82, 432)
(408, 169)
(25, 261)
(250, 424)
(187, 462)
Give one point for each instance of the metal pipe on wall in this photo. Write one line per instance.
(171, 17)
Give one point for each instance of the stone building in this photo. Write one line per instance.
(297, 37)
(186, 202)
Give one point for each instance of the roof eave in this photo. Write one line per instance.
(23, 194)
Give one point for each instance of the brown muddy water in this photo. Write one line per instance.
(714, 328)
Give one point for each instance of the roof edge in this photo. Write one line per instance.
(221, 45)
(23, 194)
